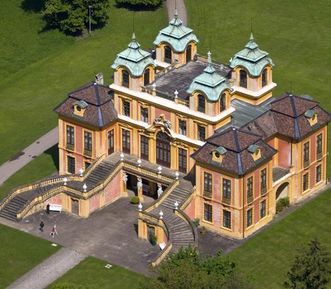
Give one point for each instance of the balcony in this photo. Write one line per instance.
(278, 173)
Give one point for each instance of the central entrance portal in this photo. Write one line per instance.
(163, 156)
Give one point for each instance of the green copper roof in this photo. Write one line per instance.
(133, 58)
(209, 82)
(176, 34)
(252, 58)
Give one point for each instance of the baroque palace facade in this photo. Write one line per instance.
(206, 139)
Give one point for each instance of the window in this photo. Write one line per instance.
(318, 173)
(264, 77)
(110, 141)
(86, 165)
(201, 133)
(306, 154)
(263, 181)
(71, 165)
(167, 54)
(243, 78)
(70, 137)
(249, 189)
(144, 114)
(263, 209)
(147, 76)
(319, 146)
(249, 217)
(201, 103)
(207, 187)
(188, 53)
(305, 182)
(144, 147)
(163, 155)
(222, 102)
(182, 160)
(126, 141)
(125, 78)
(227, 219)
(87, 143)
(182, 127)
(226, 191)
(208, 213)
(126, 108)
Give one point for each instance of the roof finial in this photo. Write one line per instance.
(209, 57)
(133, 36)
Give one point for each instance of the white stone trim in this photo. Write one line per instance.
(161, 64)
(255, 94)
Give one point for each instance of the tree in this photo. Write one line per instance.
(139, 3)
(72, 16)
(188, 270)
(311, 268)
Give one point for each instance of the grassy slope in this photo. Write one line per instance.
(37, 84)
(296, 33)
(267, 257)
(19, 253)
(92, 273)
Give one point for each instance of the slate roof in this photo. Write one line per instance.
(100, 110)
(237, 159)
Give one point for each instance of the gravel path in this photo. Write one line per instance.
(182, 13)
(48, 271)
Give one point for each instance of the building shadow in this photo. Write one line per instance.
(32, 5)
(54, 153)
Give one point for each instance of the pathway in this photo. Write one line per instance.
(28, 154)
(182, 13)
(49, 270)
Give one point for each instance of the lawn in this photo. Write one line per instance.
(19, 253)
(92, 274)
(267, 257)
(38, 68)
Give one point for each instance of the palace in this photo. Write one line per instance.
(208, 141)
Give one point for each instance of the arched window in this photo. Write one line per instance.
(201, 103)
(243, 78)
(188, 53)
(264, 77)
(147, 76)
(223, 102)
(167, 54)
(125, 78)
(163, 156)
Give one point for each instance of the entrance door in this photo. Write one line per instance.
(74, 206)
(163, 149)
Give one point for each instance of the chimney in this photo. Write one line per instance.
(99, 78)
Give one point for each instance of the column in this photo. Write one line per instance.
(124, 190)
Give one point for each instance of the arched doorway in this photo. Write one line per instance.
(163, 156)
(282, 191)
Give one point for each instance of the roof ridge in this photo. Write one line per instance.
(236, 139)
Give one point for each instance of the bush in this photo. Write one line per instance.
(153, 239)
(281, 204)
(135, 200)
(139, 3)
(196, 222)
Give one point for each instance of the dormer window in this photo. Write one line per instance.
(80, 107)
(255, 152)
(188, 53)
(264, 77)
(222, 102)
(243, 78)
(218, 154)
(125, 78)
(147, 77)
(201, 103)
(167, 54)
(311, 115)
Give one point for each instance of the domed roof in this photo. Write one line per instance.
(252, 58)
(176, 34)
(133, 58)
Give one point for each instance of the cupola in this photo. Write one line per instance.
(175, 44)
(134, 67)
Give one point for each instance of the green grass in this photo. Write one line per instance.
(92, 274)
(40, 68)
(296, 33)
(267, 257)
(41, 167)
(19, 253)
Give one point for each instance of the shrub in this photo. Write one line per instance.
(196, 222)
(153, 239)
(281, 204)
(139, 3)
(135, 200)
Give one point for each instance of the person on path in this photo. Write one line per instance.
(41, 226)
(54, 231)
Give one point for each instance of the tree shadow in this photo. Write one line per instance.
(137, 8)
(54, 153)
(32, 5)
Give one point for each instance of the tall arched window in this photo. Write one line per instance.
(163, 156)
(264, 77)
(188, 53)
(125, 78)
(243, 78)
(167, 54)
(201, 103)
(147, 76)
(222, 101)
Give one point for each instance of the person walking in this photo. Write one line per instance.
(41, 226)
(54, 231)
